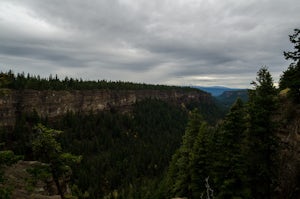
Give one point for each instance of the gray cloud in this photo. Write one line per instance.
(166, 41)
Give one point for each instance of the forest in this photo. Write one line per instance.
(21, 81)
(161, 150)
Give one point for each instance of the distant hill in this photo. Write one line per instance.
(227, 98)
(216, 90)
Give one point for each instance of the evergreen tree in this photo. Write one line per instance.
(7, 158)
(229, 167)
(48, 150)
(200, 161)
(295, 39)
(262, 141)
(291, 77)
(179, 174)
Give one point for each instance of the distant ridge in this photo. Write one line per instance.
(216, 90)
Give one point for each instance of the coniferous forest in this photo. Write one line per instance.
(161, 150)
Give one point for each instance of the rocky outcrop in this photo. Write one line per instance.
(26, 186)
(288, 129)
(50, 103)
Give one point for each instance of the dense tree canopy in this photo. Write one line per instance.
(21, 81)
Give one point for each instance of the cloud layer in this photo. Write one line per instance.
(182, 42)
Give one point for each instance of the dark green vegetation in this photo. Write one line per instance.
(216, 90)
(290, 78)
(230, 154)
(22, 81)
(240, 157)
(161, 150)
(228, 98)
(123, 154)
(48, 150)
(7, 158)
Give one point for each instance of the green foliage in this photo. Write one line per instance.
(200, 161)
(78, 193)
(294, 39)
(127, 152)
(6, 79)
(48, 150)
(20, 81)
(7, 157)
(45, 145)
(5, 193)
(190, 162)
(123, 152)
(262, 141)
(239, 155)
(229, 167)
(291, 77)
(39, 172)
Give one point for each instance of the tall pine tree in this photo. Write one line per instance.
(291, 77)
(229, 167)
(262, 141)
(200, 161)
(179, 174)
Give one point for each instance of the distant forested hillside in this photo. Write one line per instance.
(216, 90)
(227, 98)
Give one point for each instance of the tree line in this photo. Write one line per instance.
(21, 81)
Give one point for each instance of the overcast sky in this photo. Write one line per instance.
(177, 42)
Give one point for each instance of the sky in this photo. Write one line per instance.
(173, 42)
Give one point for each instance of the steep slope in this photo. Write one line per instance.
(216, 90)
(288, 121)
(51, 103)
(227, 98)
(26, 186)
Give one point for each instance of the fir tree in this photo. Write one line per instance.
(291, 77)
(48, 150)
(229, 166)
(179, 174)
(261, 138)
(200, 161)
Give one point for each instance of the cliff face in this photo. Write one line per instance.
(288, 122)
(49, 103)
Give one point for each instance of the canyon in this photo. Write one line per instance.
(52, 103)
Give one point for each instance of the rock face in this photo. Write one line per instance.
(288, 122)
(26, 186)
(50, 103)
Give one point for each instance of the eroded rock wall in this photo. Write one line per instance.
(55, 103)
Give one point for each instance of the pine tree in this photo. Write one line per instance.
(48, 150)
(262, 142)
(229, 166)
(200, 161)
(291, 77)
(179, 174)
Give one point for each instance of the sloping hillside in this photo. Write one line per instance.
(26, 186)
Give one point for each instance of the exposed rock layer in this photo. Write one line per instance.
(50, 103)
